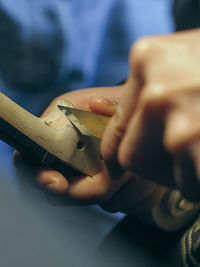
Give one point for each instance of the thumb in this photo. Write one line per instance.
(103, 106)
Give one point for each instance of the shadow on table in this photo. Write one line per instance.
(132, 243)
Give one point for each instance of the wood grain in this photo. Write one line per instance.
(48, 138)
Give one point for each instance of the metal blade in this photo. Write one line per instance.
(94, 123)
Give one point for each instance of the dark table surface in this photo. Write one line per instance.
(38, 229)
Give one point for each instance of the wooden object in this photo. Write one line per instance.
(51, 139)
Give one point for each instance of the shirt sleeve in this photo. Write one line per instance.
(32, 44)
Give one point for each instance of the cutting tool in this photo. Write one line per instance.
(67, 135)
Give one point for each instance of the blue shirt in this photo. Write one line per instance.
(48, 47)
(51, 46)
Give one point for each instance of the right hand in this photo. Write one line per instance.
(155, 131)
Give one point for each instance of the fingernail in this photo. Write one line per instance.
(110, 104)
(108, 101)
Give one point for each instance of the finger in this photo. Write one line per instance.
(117, 125)
(187, 172)
(132, 196)
(50, 179)
(103, 106)
(53, 181)
(82, 189)
(95, 189)
(181, 139)
(81, 98)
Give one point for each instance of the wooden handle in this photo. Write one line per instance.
(49, 138)
(21, 129)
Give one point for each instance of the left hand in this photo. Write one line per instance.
(126, 192)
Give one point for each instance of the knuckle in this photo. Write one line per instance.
(155, 95)
(172, 142)
(143, 46)
(180, 132)
(141, 50)
(178, 143)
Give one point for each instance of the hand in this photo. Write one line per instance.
(155, 131)
(127, 193)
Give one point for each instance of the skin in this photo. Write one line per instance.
(155, 131)
(153, 139)
(114, 191)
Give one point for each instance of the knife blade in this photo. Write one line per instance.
(93, 122)
(50, 140)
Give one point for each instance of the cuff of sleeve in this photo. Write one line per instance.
(172, 213)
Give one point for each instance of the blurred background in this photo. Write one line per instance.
(47, 48)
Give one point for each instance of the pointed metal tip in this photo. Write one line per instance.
(65, 110)
(61, 107)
